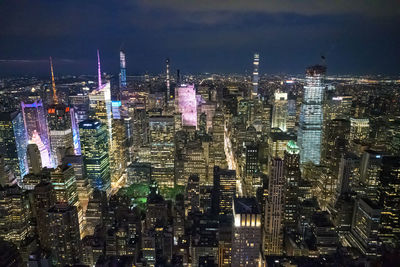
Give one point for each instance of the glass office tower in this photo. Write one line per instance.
(311, 117)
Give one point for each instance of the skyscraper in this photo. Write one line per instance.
(280, 111)
(274, 209)
(35, 121)
(311, 117)
(225, 189)
(167, 80)
(185, 98)
(13, 142)
(122, 74)
(256, 62)
(60, 131)
(246, 233)
(94, 141)
(63, 229)
(162, 149)
(100, 102)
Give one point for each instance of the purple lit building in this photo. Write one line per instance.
(185, 97)
(35, 122)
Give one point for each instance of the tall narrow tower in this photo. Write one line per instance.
(167, 80)
(53, 83)
(98, 69)
(122, 65)
(256, 63)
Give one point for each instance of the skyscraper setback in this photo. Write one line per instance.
(310, 125)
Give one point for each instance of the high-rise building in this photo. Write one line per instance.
(13, 143)
(80, 104)
(365, 227)
(162, 149)
(63, 234)
(359, 129)
(389, 199)
(65, 189)
(225, 189)
(60, 130)
(43, 199)
(370, 169)
(256, 62)
(218, 139)
(167, 81)
(119, 153)
(14, 215)
(34, 159)
(35, 122)
(83, 188)
(246, 233)
(94, 142)
(292, 176)
(100, 102)
(122, 66)
(252, 167)
(280, 111)
(311, 116)
(186, 103)
(274, 209)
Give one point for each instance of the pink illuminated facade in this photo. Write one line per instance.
(186, 103)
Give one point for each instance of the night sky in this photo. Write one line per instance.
(356, 36)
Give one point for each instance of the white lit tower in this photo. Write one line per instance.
(167, 81)
(311, 117)
(256, 62)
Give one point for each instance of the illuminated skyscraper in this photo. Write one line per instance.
(65, 189)
(225, 187)
(246, 233)
(311, 117)
(292, 177)
(100, 102)
(14, 215)
(185, 98)
(162, 149)
(60, 130)
(35, 121)
(359, 129)
(167, 80)
(122, 65)
(256, 62)
(280, 111)
(274, 208)
(13, 143)
(218, 141)
(94, 142)
(63, 229)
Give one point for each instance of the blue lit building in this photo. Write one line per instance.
(13, 142)
(94, 146)
(311, 117)
(122, 75)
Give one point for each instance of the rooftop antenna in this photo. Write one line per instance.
(323, 60)
(53, 83)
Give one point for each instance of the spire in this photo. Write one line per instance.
(99, 68)
(53, 83)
